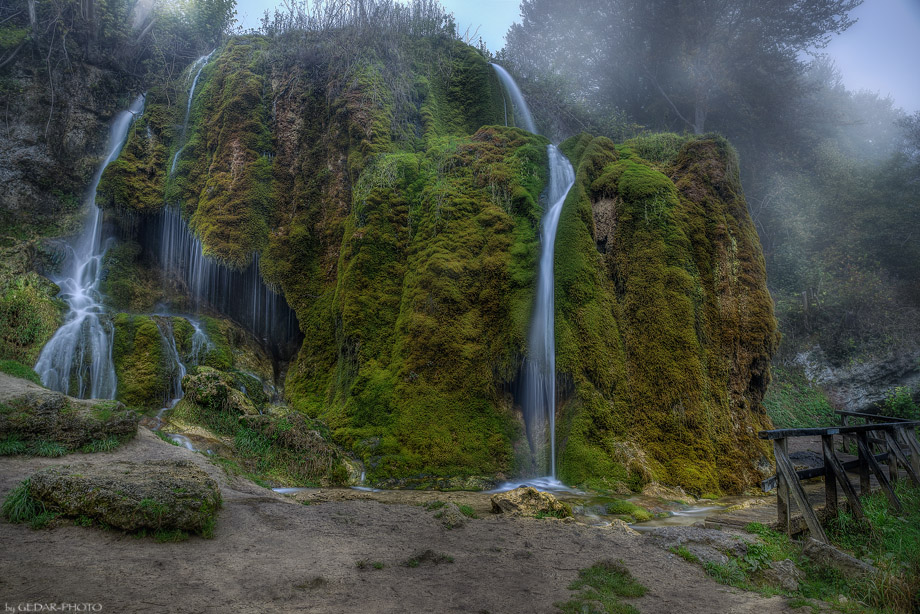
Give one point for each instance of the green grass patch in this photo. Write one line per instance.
(428, 556)
(685, 554)
(101, 445)
(793, 402)
(12, 445)
(42, 447)
(602, 586)
(17, 369)
(434, 505)
(19, 505)
(467, 511)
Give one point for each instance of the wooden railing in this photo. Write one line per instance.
(902, 452)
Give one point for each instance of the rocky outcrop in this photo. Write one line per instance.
(862, 384)
(166, 495)
(528, 501)
(707, 545)
(30, 413)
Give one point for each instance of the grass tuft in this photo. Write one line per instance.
(602, 585)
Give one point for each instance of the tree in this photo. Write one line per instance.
(675, 64)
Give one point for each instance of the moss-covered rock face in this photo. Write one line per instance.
(401, 226)
(664, 323)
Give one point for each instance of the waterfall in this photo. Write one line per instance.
(78, 358)
(538, 388)
(177, 368)
(539, 385)
(517, 101)
(200, 63)
(240, 295)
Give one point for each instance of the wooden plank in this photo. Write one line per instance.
(784, 465)
(861, 441)
(816, 472)
(831, 430)
(841, 475)
(910, 438)
(867, 416)
(830, 479)
(894, 446)
(780, 448)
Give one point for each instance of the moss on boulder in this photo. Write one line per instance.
(156, 495)
(30, 414)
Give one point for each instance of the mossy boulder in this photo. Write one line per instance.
(528, 501)
(155, 495)
(30, 413)
(141, 361)
(216, 390)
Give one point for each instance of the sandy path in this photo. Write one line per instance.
(270, 554)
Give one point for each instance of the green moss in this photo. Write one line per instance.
(29, 315)
(17, 369)
(657, 283)
(141, 362)
(602, 586)
(126, 283)
(792, 402)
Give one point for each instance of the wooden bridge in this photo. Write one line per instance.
(877, 440)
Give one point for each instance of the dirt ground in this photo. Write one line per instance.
(271, 553)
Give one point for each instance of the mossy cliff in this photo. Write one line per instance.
(400, 223)
(664, 324)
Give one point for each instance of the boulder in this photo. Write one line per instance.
(708, 545)
(668, 493)
(829, 556)
(32, 413)
(451, 516)
(782, 574)
(621, 527)
(528, 501)
(127, 495)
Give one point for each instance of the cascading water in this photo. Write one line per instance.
(200, 63)
(78, 358)
(538, 392)
(240, 295)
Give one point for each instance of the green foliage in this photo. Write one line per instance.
(685, 554)
(12, 445)
(793, 402)
(467, 511)
(29, 315)
(19, 505)
(900, 403)
(628, 508)
(434, 505)
(427, 556)
(125, 283)
(602, 585)
(42, 447)
(17, 369)
(101, 445)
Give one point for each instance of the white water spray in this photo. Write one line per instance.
(78, 358)
(538, 393)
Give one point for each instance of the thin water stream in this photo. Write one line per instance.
(538, 387)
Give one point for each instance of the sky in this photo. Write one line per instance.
(880, 53)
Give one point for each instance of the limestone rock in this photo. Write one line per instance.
(659, 491)
(824, 554)
(451, 516)
(131, 496)
(621, 527)
(782, 574)
(708, 545)
(528, 501)
(31, 413)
